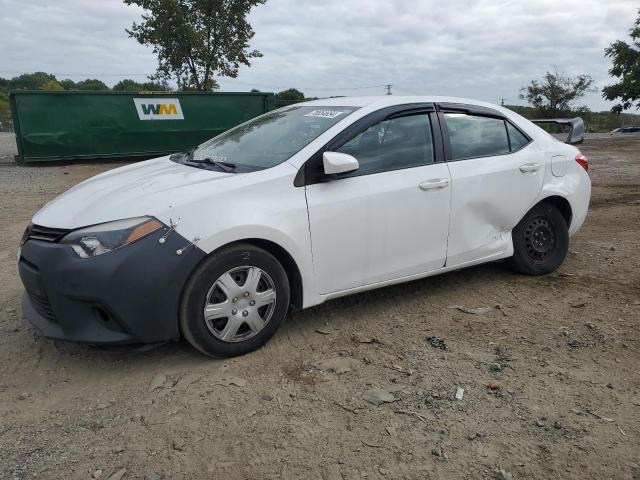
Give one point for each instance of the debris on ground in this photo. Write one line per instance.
(338, 365)
(186, 380)
(437, 343)
(459, 393)
(606, 419)
(323, 331)
(118, 475)
(157, 381)
(495, 367)
(227, 381)
(471, 310)
(362, 338)
(178, 444)
(503, 475)
(378, 396)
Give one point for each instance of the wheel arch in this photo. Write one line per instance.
(286, 260)
(561, 203)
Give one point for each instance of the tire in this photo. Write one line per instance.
(540, 241)
(225, 284)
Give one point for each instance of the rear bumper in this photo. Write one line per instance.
(130, 295)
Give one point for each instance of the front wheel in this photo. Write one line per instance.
(234, 302)
(540, 241)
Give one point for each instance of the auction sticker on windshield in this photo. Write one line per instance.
(324, 113)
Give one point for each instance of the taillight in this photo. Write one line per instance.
(582, 160)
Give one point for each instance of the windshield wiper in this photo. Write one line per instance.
(224, 166)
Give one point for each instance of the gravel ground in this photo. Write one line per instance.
(8, 147)
(551, 373)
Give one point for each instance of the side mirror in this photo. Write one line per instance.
(335, 162)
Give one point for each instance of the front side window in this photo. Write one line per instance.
(270, 139)
(400, 142)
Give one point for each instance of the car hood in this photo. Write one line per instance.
(152, 187)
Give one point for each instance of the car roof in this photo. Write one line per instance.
(390, 100)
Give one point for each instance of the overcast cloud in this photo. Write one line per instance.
(478, 49)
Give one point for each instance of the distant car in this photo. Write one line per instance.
(301, 205)
(626, 130)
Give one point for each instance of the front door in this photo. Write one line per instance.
(388, 219)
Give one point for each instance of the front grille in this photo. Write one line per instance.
(46, 234)
(42, 306)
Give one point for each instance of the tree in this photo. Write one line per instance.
(196, 40)
(68, 84)
(51, 85)
(626, 67)
(30, 81)
(91, 84)
(287, 97)
(556, 93)
(128, 85)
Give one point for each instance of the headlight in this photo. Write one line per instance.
(102, 238)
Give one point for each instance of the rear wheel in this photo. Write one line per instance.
(234, 302)
(540, 241)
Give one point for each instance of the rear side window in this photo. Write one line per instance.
(401, 142)
(517, 139)
(474, 136)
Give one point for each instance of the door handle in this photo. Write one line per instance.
(530, 167)
(434, 184)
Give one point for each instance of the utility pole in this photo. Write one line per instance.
(388, 87)
(502, 102)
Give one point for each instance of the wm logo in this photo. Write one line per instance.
(158, 108)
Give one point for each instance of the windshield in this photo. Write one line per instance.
(272, 138)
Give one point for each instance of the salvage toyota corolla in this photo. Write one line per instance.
(303, 204)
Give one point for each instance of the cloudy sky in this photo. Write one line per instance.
(485, 49)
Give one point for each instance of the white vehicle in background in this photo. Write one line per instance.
(301, 205)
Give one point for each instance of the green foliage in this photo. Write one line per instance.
(5, 111)
(287, 97)
(30, 81)
(626, 67)
(196, 40)
(92, 84)
(68, 84)
(51, 85)
(556, 93)
(128, 85)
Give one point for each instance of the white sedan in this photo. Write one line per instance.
(301, 205)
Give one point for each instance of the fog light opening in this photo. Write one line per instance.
(103, 315)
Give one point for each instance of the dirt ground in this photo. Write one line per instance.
(551, 374)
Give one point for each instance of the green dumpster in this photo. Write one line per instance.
(61, 125)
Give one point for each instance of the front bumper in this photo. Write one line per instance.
(130, 295)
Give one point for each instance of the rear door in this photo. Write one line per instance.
(496, 174)
(388, 219)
